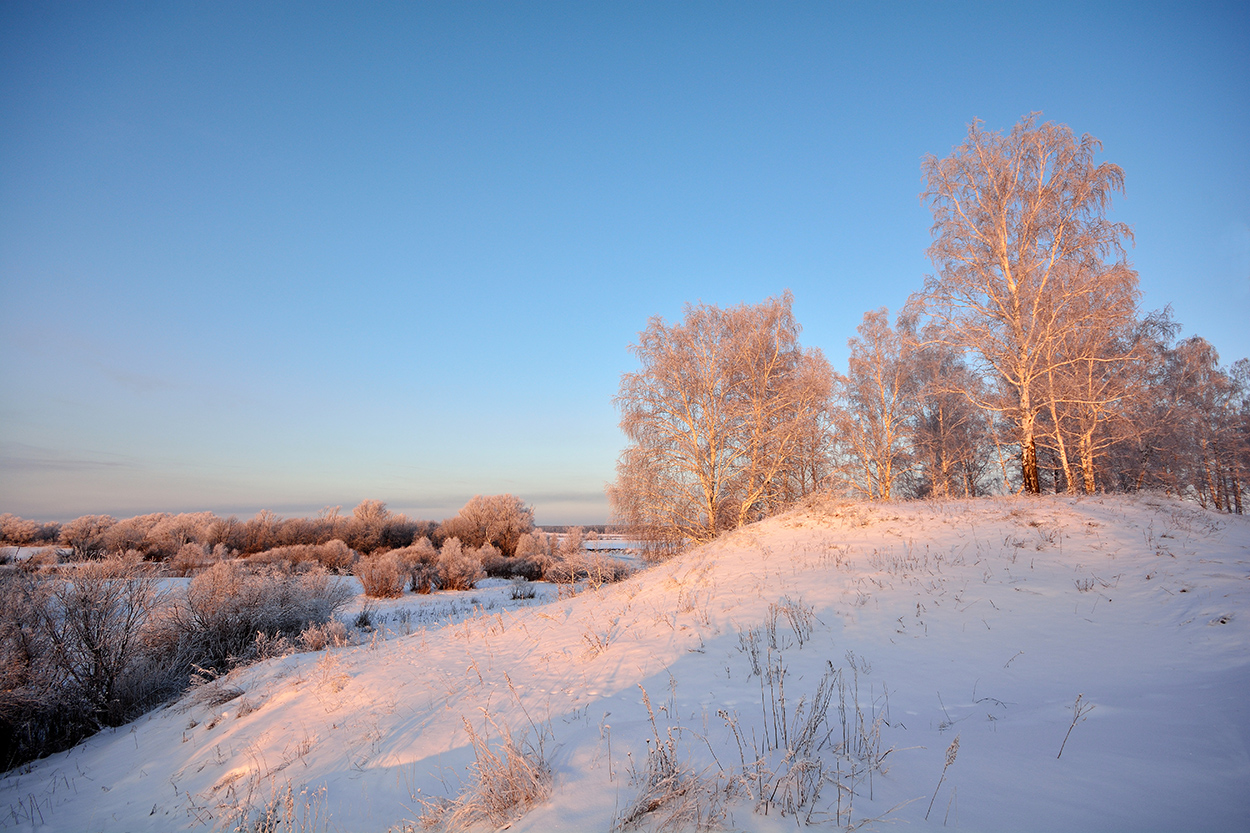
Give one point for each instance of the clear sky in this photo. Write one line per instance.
(291, 255)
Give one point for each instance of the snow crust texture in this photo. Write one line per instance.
(843, 665)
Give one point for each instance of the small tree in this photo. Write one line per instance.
(85, 536)
(420, 561)
(17, 530)
(132, 534)
(499, 520)
(951, 437)
(875, 405)
(367, 527)
(168, 535)
(719, 419)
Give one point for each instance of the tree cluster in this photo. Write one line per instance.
(1024, 365)
(909, 422)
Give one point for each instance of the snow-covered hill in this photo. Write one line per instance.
(909, 626)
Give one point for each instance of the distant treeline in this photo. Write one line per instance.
(370, 528)
(598, 529)
(160, 535)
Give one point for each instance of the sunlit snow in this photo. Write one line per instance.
(981, 620)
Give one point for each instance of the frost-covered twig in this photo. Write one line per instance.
(1078, 715)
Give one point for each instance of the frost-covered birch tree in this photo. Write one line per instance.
(718, 417)
(1026, 258)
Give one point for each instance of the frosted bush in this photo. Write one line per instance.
(72, 655)
(458, 569)
(228, 604)
(85, 535)
(41, 559)
(420, 562)
(527, 546)
(335, 555)
(531, 560)
(190, 558)
(494, 563)
(381, 576)
(490, 519)
(289, 556)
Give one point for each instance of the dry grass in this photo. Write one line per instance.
(331, 634)
(505, 783)
(671, 795)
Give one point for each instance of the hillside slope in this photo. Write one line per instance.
(927, 622)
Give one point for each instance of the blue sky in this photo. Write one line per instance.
(287, 256)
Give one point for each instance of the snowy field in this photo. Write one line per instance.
(843, 665)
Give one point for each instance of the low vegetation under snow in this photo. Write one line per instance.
(1028, 664)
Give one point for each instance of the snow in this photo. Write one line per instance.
(981, 619)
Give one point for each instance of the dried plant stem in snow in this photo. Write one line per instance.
(1078, 715)
(951, 752)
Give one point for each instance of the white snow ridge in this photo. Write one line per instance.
(843, 665)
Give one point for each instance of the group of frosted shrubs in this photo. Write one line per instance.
(538, 557)
(93, 634)
(102, 641)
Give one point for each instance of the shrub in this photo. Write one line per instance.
(584, 566)
(366, 530)
(226, 606)
(37, 560)
(335, 555)
(77, 655)
(289, 556)
(167, 536)
(528, 546)
(534, 556)
(421, 564)
(522, 589)
(563, 571)
(458, 569)
(381, 576)
(498, 565)
(603, 569)
(72, 655)
(132, 534)
(364, 619)
(191, 558)
(424, 579)
(29, 686)
(17, 530)
(419, 552)
(573, 542)
(259, 533)
(494, 563)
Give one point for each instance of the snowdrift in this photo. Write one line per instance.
(844, 665)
